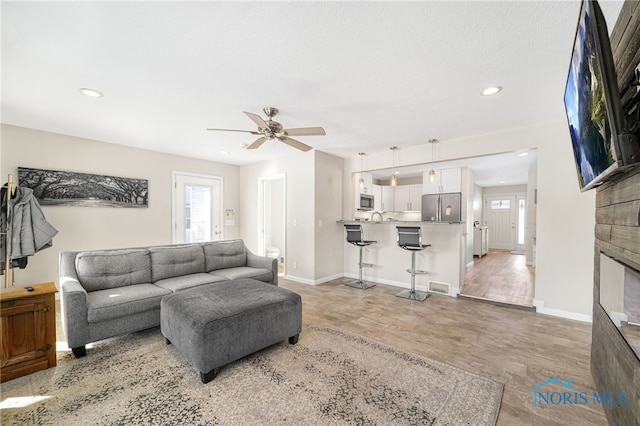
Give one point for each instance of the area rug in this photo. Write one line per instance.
(330, 377)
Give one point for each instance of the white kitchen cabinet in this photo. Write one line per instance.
(480, 240)
(388, 198)
(416, 197)
(447, 180)
(402, 200)
(408, 198)
(377, 200)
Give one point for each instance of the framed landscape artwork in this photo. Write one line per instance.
(60, 188)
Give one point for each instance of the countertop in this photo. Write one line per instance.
(397, 222)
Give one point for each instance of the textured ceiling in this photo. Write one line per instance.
(373, 74)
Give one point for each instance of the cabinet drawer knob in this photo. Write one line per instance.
(45, 347)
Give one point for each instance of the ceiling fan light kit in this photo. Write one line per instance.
(272, 130)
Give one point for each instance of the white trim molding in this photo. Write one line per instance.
(539, 304)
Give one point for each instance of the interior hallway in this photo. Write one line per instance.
(502, 277)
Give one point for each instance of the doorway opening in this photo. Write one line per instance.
(196, 208)
(272, 227)
(503, 274)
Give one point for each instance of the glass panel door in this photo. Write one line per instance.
(197, 208)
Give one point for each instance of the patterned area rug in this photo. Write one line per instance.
(330, 377)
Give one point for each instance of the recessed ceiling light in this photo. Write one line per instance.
(523, 154)
(224, 152)
(396, 173)
(491, 90)
(91, 93)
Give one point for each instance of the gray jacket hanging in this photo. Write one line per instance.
(28, 231)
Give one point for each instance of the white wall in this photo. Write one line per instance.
(506, 189)
(299, 175)
(532, 209)
(329, 235)
(478, 208)
(82, 228)
(565, 216)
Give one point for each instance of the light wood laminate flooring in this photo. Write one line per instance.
(501, 277)
(516, 347)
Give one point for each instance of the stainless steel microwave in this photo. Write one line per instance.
(366, 202)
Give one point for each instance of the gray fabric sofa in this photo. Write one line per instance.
(108, 293)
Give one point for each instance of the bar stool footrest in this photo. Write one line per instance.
(419, 296)
(417, 272)
(365, 265)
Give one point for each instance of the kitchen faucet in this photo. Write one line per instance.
(379, 214)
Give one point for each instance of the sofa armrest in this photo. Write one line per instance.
(255, 261)
(73, 302)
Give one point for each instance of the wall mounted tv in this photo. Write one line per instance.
(601, 144)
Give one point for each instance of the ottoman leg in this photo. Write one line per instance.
(207, 377)
(294, 339)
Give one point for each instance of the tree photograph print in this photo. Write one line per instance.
(53, 187)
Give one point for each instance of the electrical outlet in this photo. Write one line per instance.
(295, 265)
(320, 223)
(295, 222)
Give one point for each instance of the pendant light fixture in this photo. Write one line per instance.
(361, 181)
(393, 181)
(432, 172)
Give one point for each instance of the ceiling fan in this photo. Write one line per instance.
(273, 130)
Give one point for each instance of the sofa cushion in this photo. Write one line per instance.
(105, 269)
(187, 281)
(175, 261)
(224, 254)
(259, 274)
(104, 305)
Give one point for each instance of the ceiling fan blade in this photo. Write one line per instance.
(257, 119)
(305, 131)
(234, 130)
(294, 143)
(257, 143)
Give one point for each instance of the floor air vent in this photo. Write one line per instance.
(438, 287)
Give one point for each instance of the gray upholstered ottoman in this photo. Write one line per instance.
(215, 324)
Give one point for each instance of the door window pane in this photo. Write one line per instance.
(197, 213)
(500, 204)
(521, 219)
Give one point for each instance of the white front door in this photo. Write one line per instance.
(501, 220)
(197, 210)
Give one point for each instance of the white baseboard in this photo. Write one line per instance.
(453, 291)
(539, 304)
(313, 282)
(298, 279)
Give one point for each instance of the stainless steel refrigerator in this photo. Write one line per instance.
(442, 207)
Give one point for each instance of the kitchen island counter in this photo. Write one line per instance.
(443, 260)
(397, 222)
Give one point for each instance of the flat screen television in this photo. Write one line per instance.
(601, 144)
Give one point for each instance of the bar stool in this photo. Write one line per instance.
(355, 236)
(410, 238)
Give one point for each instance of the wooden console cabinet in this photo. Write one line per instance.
(28, 330)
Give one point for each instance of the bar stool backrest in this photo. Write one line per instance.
(409, 236)
(354, 233)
